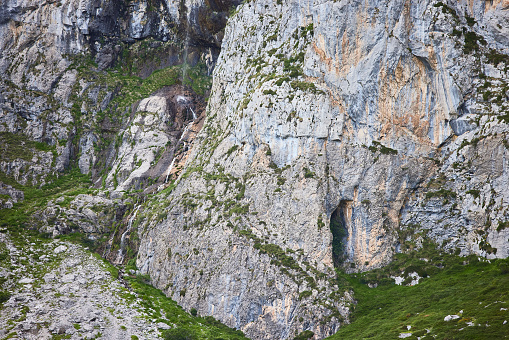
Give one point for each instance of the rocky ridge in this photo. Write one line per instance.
(57, 288)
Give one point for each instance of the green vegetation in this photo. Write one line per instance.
(304, 335)
(18, 146)
(474, 289)
(69, 184)
(496, 58)
(231, 150)
(472, 41)
(446, 9)
(308, 173)
(304, 86)
(474, 192)
(293, 65)
(133, 88)
(377, 146)
(444, 193)
(502, 225)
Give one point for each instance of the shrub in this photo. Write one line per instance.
(474, 193)
(4, 296)
(444, 193)
(308, 173)
(502, 225)
(304, 335)
(305, 294)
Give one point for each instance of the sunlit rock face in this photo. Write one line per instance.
(336, 134)
(372, 114)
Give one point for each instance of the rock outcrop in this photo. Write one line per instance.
(54, 56)
(337, 133)
(59, 289)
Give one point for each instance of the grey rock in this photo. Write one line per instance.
(369, 118)
(60, 249)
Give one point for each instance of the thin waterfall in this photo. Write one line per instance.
(169, 170)
(188, 126)
(192, 111)
(121, 254)
(186, 46)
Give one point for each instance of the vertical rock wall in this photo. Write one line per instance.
(379, 110)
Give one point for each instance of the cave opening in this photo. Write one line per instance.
(338, 228)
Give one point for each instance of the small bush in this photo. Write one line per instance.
(502, 225)
(444, 193)
(305, 294)
(304, 335)
(4, 296)
(475, 193)
(308, 173)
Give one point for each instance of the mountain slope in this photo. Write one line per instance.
(243, 154)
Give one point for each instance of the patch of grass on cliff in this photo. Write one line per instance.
(444, 193)
(131, 88)
(165, 310)
(377, 146)
(18, 146)
(474, 289)
(71, 183)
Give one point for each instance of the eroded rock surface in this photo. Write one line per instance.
(337, 134)
(389, 119)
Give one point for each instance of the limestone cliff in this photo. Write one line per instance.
(334, 134)
(337, 132)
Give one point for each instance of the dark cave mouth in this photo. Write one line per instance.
(339, 231)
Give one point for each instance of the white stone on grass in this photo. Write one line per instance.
(451, 317)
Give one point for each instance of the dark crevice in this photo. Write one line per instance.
(339, 230)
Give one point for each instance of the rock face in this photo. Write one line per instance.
(93, 215)
(10, 196)
(157, 139)
(337, 133)
(45, 47)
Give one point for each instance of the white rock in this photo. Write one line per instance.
(60, 249)
(26, 280)
(451, 317)
(162, 325)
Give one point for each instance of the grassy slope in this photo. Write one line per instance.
(478, 288)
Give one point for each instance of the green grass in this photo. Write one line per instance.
(478, 288)
(68, 184)
(18, 146)
(441, 193)
(133, 88)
